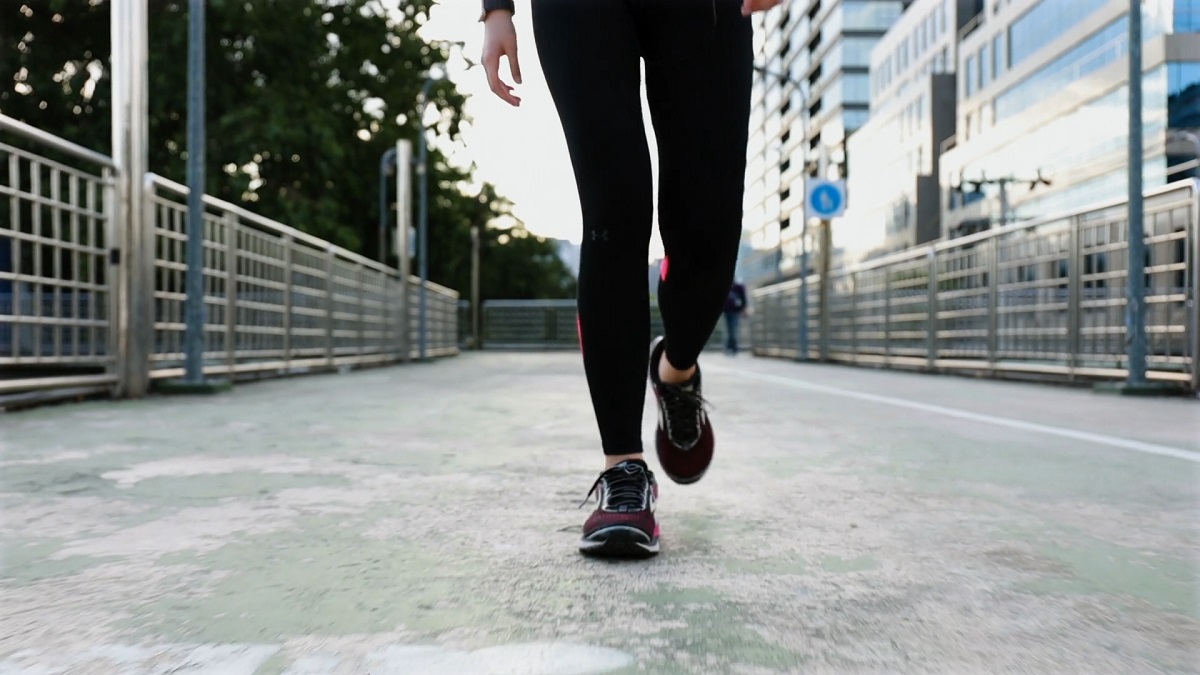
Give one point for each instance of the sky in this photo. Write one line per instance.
(520, 150)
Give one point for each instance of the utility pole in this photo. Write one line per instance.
(194, 276)
(826, 244)
(1135, 298)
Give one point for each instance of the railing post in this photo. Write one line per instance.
(287, 302)
(118, 339)
(362, 310)
(931, 306)
(1195, 292)
(887, 316)
(229, 223)
(385, 345)
(330, 266)
(854, 317)
(138, 253)
(825, 289)
(1074, 299)
(993, 312)
(132, 195)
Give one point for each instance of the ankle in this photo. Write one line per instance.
(672, 375)
(612, 460)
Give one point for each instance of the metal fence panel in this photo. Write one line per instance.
(277, 300)
(552, 324)
(1044, 297)
(57, 288)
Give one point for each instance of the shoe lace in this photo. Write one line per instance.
(683, 404)
(626, 484)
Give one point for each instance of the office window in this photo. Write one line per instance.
(870, 15)
(856, 88)
(1045, 22)
(1090, 55)
(984, 67)
(1183, 94)
(970, 77)
(998, 56)
(1187, 16)
(858, 51)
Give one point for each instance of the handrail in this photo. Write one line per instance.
(272, 225)
(942, 244)
(19, 128)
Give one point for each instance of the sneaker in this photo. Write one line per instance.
(623, 524)
(685, 437)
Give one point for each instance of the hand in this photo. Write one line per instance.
(500, 39)
(751, 6)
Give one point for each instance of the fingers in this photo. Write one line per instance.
(500, 40)
(514, 64)
(491, 65)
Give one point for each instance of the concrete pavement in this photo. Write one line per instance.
(422, 519)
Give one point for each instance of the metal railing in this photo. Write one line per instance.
(551, 324)
(57, 290)
(1043, 298)
(276, 300)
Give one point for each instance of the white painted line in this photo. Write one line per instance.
(1101, 439)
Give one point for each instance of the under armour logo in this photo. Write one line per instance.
(599, 235)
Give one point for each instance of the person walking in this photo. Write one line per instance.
(735, 309)
(698, 67)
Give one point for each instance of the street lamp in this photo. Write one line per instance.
(386, 163)
(423, 208)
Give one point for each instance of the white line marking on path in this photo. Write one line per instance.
(1101, 439)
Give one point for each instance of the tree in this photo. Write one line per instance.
(302, 99)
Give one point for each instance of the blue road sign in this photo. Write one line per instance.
(825, 199)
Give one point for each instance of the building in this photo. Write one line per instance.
(893, 169)
(812, 92)
(1042, 121)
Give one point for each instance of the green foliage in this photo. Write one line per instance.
(302, 99)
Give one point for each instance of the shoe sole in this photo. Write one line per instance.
(684, 481)
(619, 541)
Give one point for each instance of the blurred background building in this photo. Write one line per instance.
(952, 116)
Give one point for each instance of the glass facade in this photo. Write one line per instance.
(1089, 142)
(1187, 16)
(1106, 46)
(876, 15)
(1183, 95)
(1048, 20)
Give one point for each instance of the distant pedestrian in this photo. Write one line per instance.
(735, 308)
(698, 57)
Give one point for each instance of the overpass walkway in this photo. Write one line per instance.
(423, 519)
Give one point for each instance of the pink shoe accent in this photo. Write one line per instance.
(657, 530)
(662, 269)
(579, 332)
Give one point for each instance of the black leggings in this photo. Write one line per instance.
(698, 58)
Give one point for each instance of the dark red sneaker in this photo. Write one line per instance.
(623, 525)
(685, 437)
